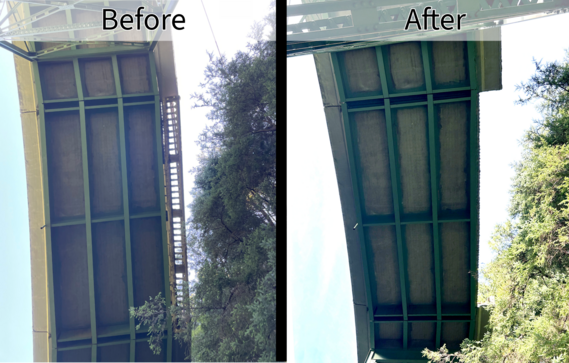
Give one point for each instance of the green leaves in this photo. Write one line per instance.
(529, 276)
(152, 314)
(229, 312)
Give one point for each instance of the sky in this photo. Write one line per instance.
(15, 273)
(320, 307)
(230, 21)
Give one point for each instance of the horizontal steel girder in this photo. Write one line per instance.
(390, 22)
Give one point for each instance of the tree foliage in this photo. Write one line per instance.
(229, 313)
(530, 274)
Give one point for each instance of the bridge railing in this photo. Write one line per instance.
(312, 26)
(174, 191)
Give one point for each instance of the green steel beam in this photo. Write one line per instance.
(405, 334)
(89, 235)
(63, 109)
(434, 171)
(70, 45)
(132, 350)
(70, 222)
(427, 67)
(471, 49)
(405, 105)
(17, 50)
(161, 194)
(379, 321)
(47, 212)
(438, 333)
(434, 315)
(372, 108)
(62, 100)
(395, 186)
(393, 355)
(139, 94)
(363, 249)
(97, 98)
(75, 221)
(434, 162)
(131, 342)
(101, 97)
(474, 191)
(126, 211)
(145, 215)
(113, 105)
(405, 94)
(395, 183)
(446, 220)
(88, 52)
(74, 347)
(474, 174)
(139, 103)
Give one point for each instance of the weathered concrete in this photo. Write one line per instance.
(143, 182)
(109, 261)
(455, 243)
(413, 159)
(361, 70)
(58, 80)
(450, 61)
(135, 74)
(453, 138)
(65, 165)
(406, 64)
(452, 334)
(71, 278)
(420, 266)
(374, 162)
(105, 179)
(114, 353)
(148, 271)
(384, 247)
(422, 335)
(98, 78)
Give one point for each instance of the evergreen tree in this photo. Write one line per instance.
(529, 277)
(229, 312)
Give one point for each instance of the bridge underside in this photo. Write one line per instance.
(101, 127)
(403, 125)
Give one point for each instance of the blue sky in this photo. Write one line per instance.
(15, 273)
(321, 326)
(231, 24)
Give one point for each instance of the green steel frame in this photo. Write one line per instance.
(120, 104)
(387, 94)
